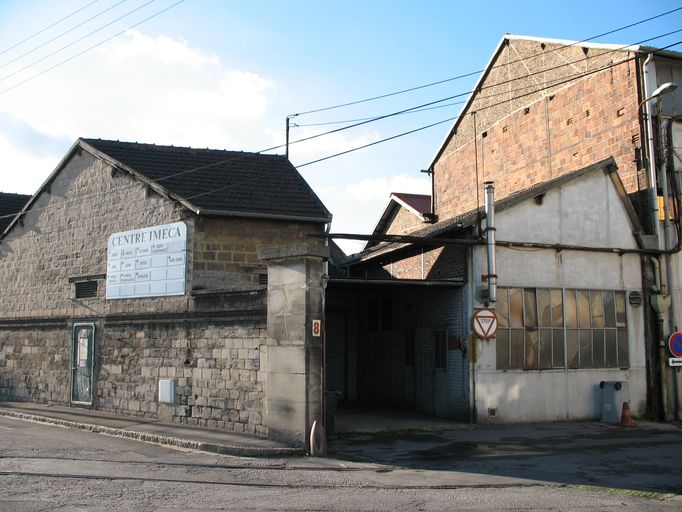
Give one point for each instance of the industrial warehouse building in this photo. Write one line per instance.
(594, 258)
(568, 264)
(195, 286)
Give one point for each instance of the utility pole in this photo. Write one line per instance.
(288, 124)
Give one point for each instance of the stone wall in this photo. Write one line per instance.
(226, 255)
(211, 341)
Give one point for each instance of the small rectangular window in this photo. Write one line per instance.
(86, 289)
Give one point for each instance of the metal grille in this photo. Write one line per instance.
(86, 289)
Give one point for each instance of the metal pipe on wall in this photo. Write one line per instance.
(490, 237)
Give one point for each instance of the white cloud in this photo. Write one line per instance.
(22, 172)
(152, 89)
(380, 189)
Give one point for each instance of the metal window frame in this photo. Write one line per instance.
(564, 328)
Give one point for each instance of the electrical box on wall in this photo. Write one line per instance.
(166, 391)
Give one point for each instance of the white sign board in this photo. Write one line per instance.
(675, 361)
(148, 262)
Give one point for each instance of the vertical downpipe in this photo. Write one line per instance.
(490, 237)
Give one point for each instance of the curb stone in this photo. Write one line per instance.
(222, 449)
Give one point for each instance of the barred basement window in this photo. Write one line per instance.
(542, 328)
(86, 289)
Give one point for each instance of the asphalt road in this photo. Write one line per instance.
(51, 468)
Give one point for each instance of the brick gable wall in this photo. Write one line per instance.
(545, 133)
(404, 221)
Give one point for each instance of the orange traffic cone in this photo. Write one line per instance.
(626, 416)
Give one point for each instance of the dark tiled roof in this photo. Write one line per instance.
(10, 204)
(229, 182)
(418, 202)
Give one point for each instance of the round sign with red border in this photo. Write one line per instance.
(484, 323)
(675, 344)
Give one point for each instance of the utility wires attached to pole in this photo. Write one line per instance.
(286, 144)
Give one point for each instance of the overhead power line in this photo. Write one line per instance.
(473, 73)
(33, 77)
(188, 171)
(76, 41)
(307, 125)
(498, 84)
(48, 27)
(35, 48)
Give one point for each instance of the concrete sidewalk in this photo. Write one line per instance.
(149, 430)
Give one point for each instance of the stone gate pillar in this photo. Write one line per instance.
(293, 398)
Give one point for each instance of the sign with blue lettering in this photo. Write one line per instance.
(148, 262)
(675, 344)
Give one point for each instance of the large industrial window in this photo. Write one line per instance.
(545, 328)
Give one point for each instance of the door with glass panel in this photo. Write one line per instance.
(83, 343)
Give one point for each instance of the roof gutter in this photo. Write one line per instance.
(271, 216)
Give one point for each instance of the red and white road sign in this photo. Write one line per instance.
(484, 323)
(675, 344)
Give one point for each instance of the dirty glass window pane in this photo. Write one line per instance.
(611, 348)
(544, 312)
(502, 349)
(573, 348)
(623, 358)
(516, 307)
(557, 303)
(531, 314)
(571, 314)
(583, 308)
(502, 308)
(531, 355)
(585, 348)
(545, 348)
(516, 348)
(558, 348)
(620, 309)
(598, 348)
(597, 309)
(609, 309)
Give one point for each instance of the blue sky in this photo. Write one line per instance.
(225, 74)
